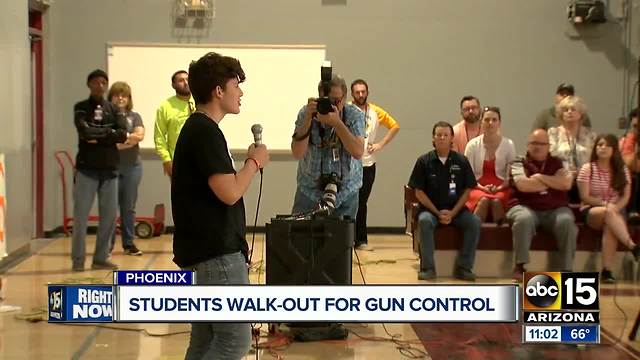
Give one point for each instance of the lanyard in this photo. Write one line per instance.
(573, 147)
(540, 169)
(367, 118)
(331, 142)
(452, 176)
(466, 131)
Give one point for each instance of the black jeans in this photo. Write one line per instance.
(368, 177)
(635, 188)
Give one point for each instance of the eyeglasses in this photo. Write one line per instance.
(538, 143)
(335, 101)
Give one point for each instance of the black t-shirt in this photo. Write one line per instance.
(131, 156)
(205, 227)
(433, 177)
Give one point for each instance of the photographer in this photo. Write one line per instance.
(629, 149)
(329, 147)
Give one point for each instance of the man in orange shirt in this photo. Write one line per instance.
(629, 150)
(469, 126)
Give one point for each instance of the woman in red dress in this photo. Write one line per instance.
(489, 155)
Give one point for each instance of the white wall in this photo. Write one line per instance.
(420, 57)
(15, 120)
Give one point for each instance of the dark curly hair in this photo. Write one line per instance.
(210, 71)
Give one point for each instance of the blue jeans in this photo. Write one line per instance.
(466, 221)
(348, 207)
(223, 341)
(84, 192)
(128, 182)
(635, 193)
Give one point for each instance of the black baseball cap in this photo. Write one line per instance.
(565, 88)
(97, 73)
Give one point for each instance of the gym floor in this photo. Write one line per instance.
(24, 334)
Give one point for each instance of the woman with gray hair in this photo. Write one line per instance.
(129, 166)
(571, 142)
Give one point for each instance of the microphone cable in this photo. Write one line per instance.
(255, 223)
(404, 347)
(624, 315)
(255, 330)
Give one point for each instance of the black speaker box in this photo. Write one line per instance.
(309, 252)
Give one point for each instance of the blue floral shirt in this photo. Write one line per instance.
(324, 158)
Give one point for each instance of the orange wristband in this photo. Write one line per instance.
(255, 161)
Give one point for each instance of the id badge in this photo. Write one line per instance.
(452, 189)
(335, 154)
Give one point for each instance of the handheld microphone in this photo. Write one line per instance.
(256, 129)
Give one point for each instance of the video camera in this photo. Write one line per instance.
(329, 184)
(325, 105)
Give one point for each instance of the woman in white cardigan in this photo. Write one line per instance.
(489, 155)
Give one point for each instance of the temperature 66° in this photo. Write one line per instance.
(579, 333)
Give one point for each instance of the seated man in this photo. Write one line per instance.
(540, 198)
(442, 180)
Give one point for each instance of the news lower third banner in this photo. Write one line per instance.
(356, 303)
(266, 303)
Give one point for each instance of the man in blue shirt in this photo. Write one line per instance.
(442, 179)
(326, 146)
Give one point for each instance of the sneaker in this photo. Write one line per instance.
(518, 273)
(606, 276)
(427, 275)
(104, 265)
(132, 250)
(464, 274)
(77, 266)
(636, 252)
(364, 247)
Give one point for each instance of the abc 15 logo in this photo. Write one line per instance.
(561, 291)
(55, 300)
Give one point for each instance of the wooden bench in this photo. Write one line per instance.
(493, 237)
